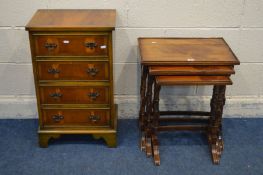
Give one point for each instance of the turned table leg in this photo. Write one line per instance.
(142, 112)
(215, 126)
(144, 70)
(155, 124)
(148, 122)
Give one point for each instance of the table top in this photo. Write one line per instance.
(191, 70)
(186, 51)
(193, 80)
(72, 20)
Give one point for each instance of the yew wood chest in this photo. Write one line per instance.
(73, 73)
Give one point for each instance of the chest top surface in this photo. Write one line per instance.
(72, 20)
(186, 51)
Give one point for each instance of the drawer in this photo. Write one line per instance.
(74, 95)
(76, 117)
(70, 70)
(71, 45)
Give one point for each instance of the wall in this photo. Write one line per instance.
(238, 21)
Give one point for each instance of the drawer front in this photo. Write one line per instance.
(71, 45)
(74, 95)
(74, 117)
(70, 70)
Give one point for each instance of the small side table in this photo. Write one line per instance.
(183, 61)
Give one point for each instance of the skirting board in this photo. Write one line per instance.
(22, 107)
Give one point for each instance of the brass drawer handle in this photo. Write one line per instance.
(57, 118)
(55, 95)
(53, 71)
(91, 45)
(93, 95)
(92, 71)
(50, 46)
(94, 118)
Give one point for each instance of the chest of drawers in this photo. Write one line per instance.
(73, 72)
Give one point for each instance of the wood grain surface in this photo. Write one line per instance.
(186, 51)
(193, 80)
(73, 20)
(191, 70)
